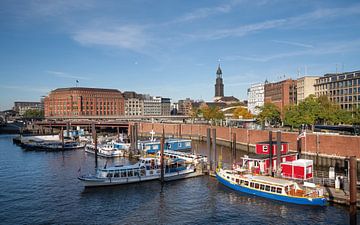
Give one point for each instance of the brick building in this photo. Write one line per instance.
(282, 93)
(84, 102)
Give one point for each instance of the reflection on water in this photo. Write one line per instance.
(42, 188)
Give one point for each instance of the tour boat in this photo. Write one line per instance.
(52, 145)
(108, 150)
(188, 157)
(146, 169)
(272, 188)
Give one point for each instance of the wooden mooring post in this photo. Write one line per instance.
(214, 147)
(208, 143)
(270, 154)
(352, 189)
(94, 136)
(162, 143)
(278, 153)
(233, 148)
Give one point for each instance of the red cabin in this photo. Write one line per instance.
(260, 164)
(263, 147)
(301, 169)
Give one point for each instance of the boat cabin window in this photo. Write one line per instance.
(247, 183)
(257, 185)
(237, 180)
(262, 187)
(278, 190)
(130, 173)
(109, 175)
(123, 173)
(116, 174)
(251, 184)
(267, 188)
(273, 189)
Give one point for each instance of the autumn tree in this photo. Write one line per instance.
(241, 112)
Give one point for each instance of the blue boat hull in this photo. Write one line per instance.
(294, 200)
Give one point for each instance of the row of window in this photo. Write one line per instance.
(255, 185)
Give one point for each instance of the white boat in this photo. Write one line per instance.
(108, 150)
(272, 188)
(188, 157)
(146, 169)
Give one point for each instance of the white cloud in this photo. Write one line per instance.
(66, 75)
(299, 44)
(127, 37)
(290, 22)
(327, 48)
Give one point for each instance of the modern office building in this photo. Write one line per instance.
(305, 87)
(152, 106)
(281, 93)
(165, 106)
(341, 88)
(84, 102)
(255, 96)
(22, 107)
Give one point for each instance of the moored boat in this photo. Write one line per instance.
(272, 188)
(108, 150)
(152, 146)
(146, 169)
(188, 157)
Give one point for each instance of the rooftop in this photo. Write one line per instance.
(85, 89)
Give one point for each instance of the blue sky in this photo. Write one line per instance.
(170, 48)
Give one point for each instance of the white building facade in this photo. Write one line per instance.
(255, 96)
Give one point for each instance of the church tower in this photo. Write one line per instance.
(219, 86)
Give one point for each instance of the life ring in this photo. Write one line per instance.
(169, 146)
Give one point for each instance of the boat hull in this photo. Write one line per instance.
(278, 197)
(98, 182)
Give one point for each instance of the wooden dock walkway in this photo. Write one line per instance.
(339, 196)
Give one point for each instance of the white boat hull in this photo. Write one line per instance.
(95, 182)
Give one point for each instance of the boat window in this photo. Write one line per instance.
(273, 189)
(247, 183)
(251, 184)
(257, 185)
(237, 180)
(228, 177)
(262, 187)
(142, 172)
(136, 173)
(267, 188)
(116, 174)
(109, 175)
(130, 173)
(278, 190)
(123, 173)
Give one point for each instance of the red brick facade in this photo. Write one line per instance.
(282, 93)
(83, 102)
(330, 145)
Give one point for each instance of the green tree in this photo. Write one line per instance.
(269, 114)
(292, 116)
(34, 113)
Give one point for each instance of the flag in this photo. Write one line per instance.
(77, 81)
(301, 135)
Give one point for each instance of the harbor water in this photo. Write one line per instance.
(40, 187)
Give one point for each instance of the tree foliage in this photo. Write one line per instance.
(211, 113)
(241, 112)
(33, 113)
(316, 111)
(269, 114)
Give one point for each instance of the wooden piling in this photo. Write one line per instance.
(234, 148)
(62, 137)
(298, 146)
(278, 153)
(208, 143)
(270, 154)
(162, 143)
(94, 136)
(352, 189)
(214, 147)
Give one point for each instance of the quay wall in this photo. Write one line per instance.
(326, 145)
